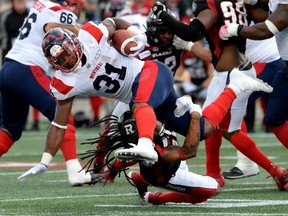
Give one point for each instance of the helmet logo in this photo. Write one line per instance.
(129, 129)
(55, 50)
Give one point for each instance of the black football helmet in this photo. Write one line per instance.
(62, 49)
(127, 127)
(156, 28)
(74, 5)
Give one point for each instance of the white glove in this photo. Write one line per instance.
(36, 170)
(230, 30)
(184, 104)
(141, 40)
(182, 44)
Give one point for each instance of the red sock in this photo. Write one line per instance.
(68, 146)
(248, 147)
(212, 146)
(5, 142)
(96, 103)
(281, 132)
(216, 111)
(100, 158)
(179, 198)
(35, 114)
(146, 121)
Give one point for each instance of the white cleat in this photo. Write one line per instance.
(138, 152)
(244, 83)
(77, 177)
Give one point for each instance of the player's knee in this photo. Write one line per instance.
(271, 121)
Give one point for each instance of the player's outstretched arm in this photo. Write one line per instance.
(54, 138)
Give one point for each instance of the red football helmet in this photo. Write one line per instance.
(75, 5)
(62, 49)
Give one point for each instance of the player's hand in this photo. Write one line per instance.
(158, 8)
(184, 104)
(230, 30)
(182, 44)
(141, 40)
(36, 170)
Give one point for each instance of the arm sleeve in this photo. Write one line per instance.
(192, 32)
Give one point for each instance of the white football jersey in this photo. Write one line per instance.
(27, 48)
(264, 51)
(281, 37)
(106, 72)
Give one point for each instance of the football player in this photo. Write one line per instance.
(183, 186)
(24, 82)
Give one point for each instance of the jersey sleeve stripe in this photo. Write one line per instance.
(60, 86)
(93, 30)
(59, 7)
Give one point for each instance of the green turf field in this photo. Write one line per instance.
(50, 193)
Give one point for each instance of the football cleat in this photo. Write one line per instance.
(245, 83)
(139, 153)
(236, 173)
(81, 178)
(141, 186)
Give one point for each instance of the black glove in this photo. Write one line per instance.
(158, 8)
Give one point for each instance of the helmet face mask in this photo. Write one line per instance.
(74, 5)
(158, 34)
(62, 49)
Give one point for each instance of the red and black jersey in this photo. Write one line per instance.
(226, 11)
(168, 55)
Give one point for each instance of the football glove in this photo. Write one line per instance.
(182, 44)
(158, 8)
(184, 104)
(231, 30)
(141, 41)
(36, 170)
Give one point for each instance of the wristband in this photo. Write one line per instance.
(272, 28)
(111, 20)
(59, 126)
(189, 46)
(46, 158)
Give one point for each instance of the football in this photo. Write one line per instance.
(122, 42)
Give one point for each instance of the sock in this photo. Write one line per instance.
(100, 158)
(5, 142)
(96, 103)
(248, 147)
(146, 121)
(35, 115)
(217, 110)
(179, 198)
(281, 132)
(68, 146)
(212, 146)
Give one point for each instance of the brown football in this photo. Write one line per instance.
(120, 41)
